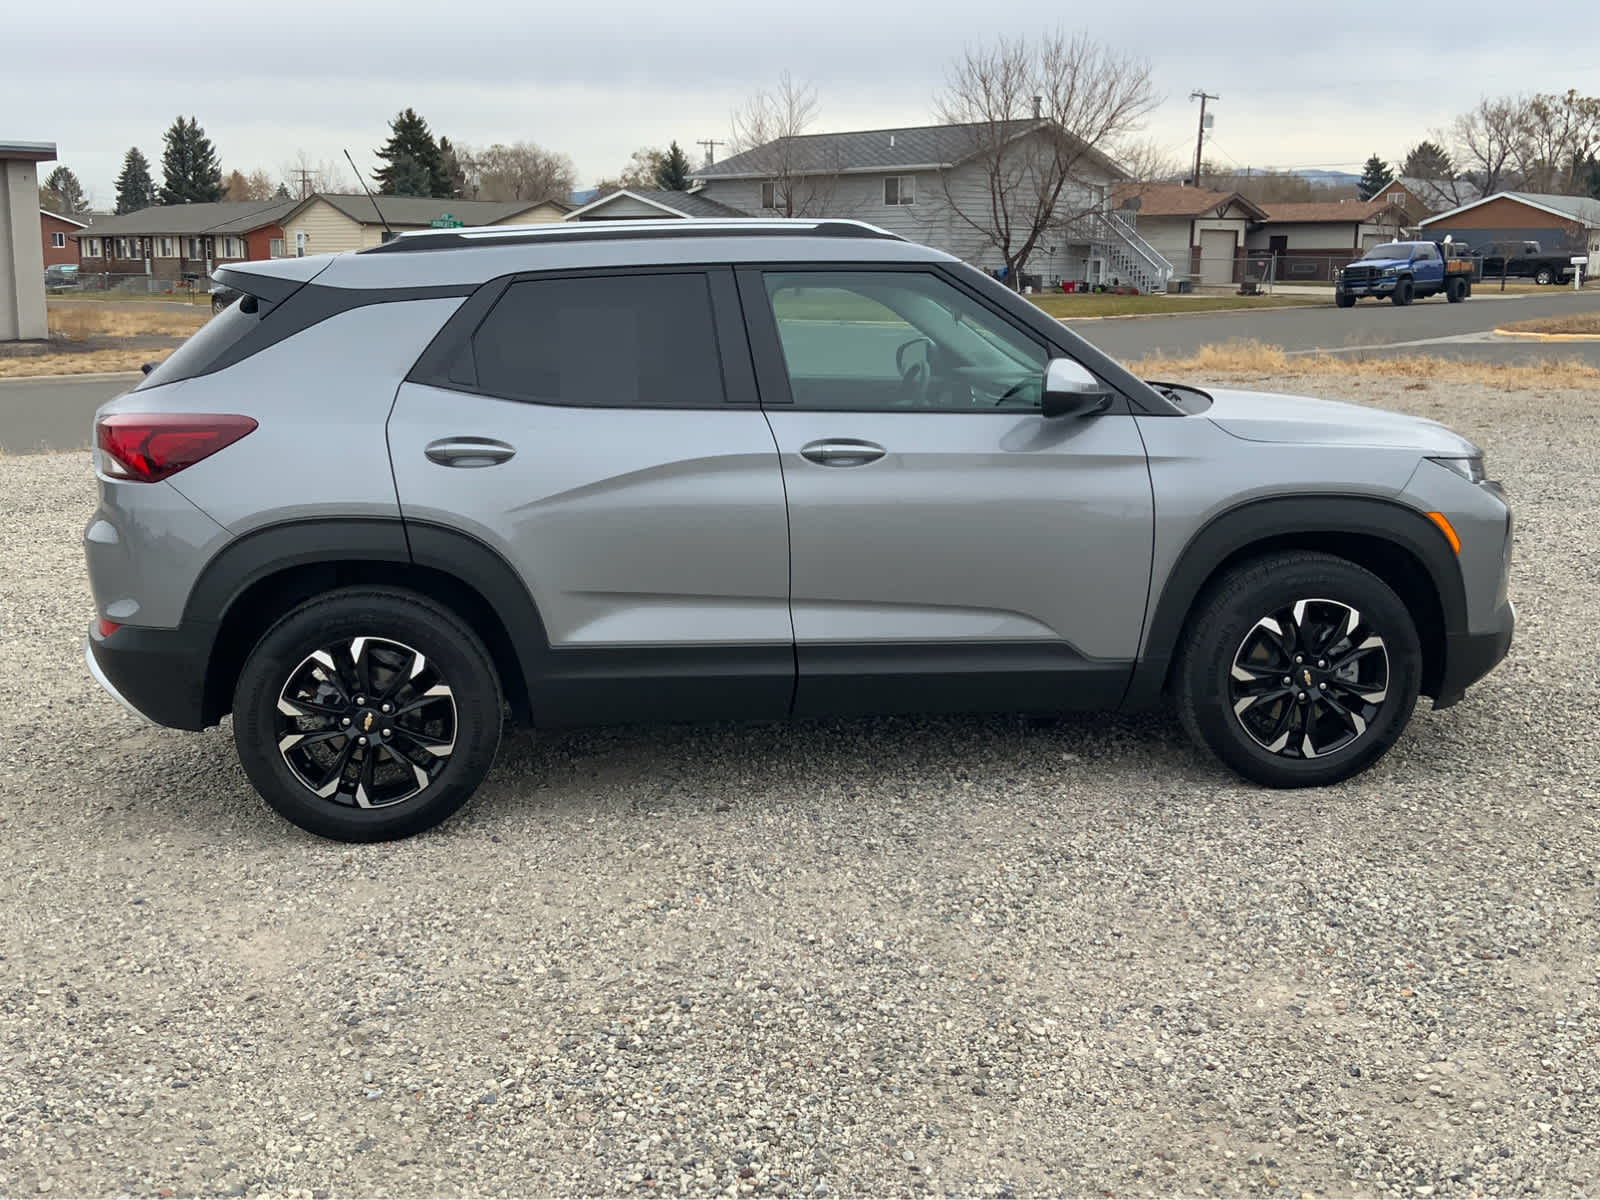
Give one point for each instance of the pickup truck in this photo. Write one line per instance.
(1525, 260)
(1406, 271)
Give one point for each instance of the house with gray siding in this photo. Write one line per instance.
(931, 184)
(1200, 232)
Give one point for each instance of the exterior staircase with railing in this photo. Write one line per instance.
(1128, 256)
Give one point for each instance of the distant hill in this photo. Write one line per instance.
(1323, 178)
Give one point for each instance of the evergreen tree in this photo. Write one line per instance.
(414, 166)
(1375, 177)
(1427, 160)
(672, 172)
(135, 188)
(455, 171)
(64, 193)
(192, 173)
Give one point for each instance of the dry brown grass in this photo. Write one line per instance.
(78, 323)
(1571, 323)
(1254, 359)
(78, 364)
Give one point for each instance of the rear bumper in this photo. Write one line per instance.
(1468, 657)
(160, 674)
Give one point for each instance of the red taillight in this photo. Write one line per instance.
(106, 628)
(151, 446)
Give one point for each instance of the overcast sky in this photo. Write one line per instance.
(596, 81)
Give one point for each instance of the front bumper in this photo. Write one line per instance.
(159, 674)
(1468, 657)
(1368, 287)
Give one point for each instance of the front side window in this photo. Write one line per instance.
(901, 340)
(900, 189)
(620, 341)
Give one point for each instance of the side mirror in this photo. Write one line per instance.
(1070, 391)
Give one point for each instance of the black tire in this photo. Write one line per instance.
(1402, 294)
(1229, 635)
(1344, 300)
(447, 739)
(1456, 290)
(1544, 276)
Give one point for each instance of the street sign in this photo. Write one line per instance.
(445, 222)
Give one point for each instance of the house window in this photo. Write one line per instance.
(275, 247)
(195, 249)
(58, 241)
(232, 247)
(89, 247)
(166, 247)
(769, 195)
(900, 189)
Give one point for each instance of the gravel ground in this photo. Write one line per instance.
(952, 956)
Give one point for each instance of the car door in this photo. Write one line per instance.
(950, 548)
(587, 429)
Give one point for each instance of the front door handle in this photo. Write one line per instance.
(468, 452)
(842, 452)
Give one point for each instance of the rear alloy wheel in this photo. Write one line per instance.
(1544, 277)
(366, 715)
(1302, 670)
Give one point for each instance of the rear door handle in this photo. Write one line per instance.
(842, 452)
(468, 452)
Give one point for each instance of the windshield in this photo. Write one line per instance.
(1389, 250)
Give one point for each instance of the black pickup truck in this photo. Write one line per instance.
(1524, 260)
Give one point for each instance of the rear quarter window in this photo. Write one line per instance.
(214, 339)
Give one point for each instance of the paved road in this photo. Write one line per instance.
(54, 414)
(1433, 327)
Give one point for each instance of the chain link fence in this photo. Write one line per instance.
(132, 285)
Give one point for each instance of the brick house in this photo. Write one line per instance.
(55, 232)
(1567, 225)
(174, 242)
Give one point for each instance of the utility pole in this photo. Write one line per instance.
(711, 145)
(1200, 137)
(305, 181)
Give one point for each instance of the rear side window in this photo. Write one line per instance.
(214, 339)
(620, 341)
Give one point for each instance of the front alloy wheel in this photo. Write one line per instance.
(1309, 679)
(1298, 669)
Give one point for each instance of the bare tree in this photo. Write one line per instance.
(1486, 141)
(1558, 135)
(303, 177)
(520, 171)
(1041, 116)
(257, 185)
(768, 130)
(639, 174)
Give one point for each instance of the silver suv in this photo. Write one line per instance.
(666, 471)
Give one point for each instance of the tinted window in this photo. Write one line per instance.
(611, 342)
(202, 351)
(899, 340)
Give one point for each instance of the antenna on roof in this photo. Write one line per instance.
(362, 181)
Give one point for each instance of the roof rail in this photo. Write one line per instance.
(596, 231)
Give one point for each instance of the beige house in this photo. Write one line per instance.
(1200, 232)
(328, 223)
(1310, 241)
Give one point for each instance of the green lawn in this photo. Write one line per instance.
(1066, 308)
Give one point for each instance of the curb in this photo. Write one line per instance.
(1204, 312)
(1524, 335)
(84, 377)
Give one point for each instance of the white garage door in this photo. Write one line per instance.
(1216, 257)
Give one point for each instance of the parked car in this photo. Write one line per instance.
(754, 469)
(1525, 260)
(60, 277)
(1406, 271)
(221, 295)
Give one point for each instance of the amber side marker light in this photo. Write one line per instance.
(1443, 523)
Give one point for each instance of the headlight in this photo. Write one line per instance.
(1391, 270)
(1470, 469)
